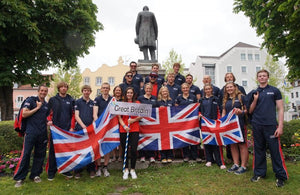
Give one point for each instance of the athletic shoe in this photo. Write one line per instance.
(92, 174)
(186, 159)
(143, 159)
(240, 171)
(50, 177)
(222, 167)
(77, 176)
(19, 183)
(255, 178)
(169, 160)
(37, 179)
(198, 160)
(98, 172)
(164, 161)
(125, 174)
(67, 175)
(105, 172)
(233, 168)
(208, 164)
(120, 159)
(133, 174)
(152, 160)
(279, 183)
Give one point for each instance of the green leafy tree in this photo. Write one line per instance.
(173, 58)
(36, 35)
(72, 77)
(278, 23)
(277, 77)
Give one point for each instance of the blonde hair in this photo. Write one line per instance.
(159, 97)
(148, 84)
(236, 93)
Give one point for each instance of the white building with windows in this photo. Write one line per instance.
(243, 60)
(294, 101)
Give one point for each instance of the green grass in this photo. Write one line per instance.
(184, 178)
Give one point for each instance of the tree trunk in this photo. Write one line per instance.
(6, 103)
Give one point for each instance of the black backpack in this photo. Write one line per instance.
(20, 122)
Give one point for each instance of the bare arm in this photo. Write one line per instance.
(253, 104)
(78, 119)
(95, 112)
(27, 113)
(279, 130)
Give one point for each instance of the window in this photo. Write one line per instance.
(111, 81)
(250, 57)
(19, 101)
(229, 68)
(243, 56)
(244, 83)
(256, 56)
(210, 70)
(98, 92)
(98, 81)
(292, 95)
(244, 69)
(86, 80)
(296, 83)
(258, 68)
(297, 95)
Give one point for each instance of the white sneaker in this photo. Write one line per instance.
(222, 167)
(125, 174)
(37, 179)
(98, 172)
(133, 174)
(143, 159)
(105, 172)
(152, 159)
(208, 164)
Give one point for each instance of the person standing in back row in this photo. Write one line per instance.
(266, 131)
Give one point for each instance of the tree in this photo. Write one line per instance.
(278, 23)
(277, 77)
(36, 35)
(72, 77)
(173, 58)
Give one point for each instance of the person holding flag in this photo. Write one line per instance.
(129, 125)
(209, 107)
(233, 98)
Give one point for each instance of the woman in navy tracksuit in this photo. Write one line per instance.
(209, 107)
(164, 99)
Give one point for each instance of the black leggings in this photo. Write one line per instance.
(133, 142)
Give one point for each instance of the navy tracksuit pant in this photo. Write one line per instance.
(263, 136)
(52, 167)
(39, 142)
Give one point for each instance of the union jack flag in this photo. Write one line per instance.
(170, 128)
(223, 131)
(74, 150)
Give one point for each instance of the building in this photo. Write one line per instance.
(243, 60)
(294, 101)
(111, 74)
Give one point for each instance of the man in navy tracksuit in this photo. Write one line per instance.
(179, 78)
(263, 105)
(62, 114)
(100, 104)
(35, 112)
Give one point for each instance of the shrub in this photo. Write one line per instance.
(289, 130)
(9, 139)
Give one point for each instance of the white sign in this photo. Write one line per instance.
(130, 109)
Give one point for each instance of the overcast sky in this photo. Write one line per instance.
(191, 28)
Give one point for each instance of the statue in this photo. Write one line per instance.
(146, 33)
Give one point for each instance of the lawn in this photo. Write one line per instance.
(182, 178)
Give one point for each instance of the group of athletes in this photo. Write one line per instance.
(66, 113)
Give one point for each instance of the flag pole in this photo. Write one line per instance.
(126, 148)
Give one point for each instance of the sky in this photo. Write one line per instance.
(191, 28)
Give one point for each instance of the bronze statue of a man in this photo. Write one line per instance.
(146, 33)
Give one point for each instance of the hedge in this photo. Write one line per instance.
(9, 139)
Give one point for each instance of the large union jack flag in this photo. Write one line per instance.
(223, 131)
(74, 150)
(170, 128)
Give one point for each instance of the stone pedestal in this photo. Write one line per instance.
(144, 67)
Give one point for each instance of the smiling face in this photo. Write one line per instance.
(86, 93)
(206, 79)
(133, 67)
(208, 91)
(185, 89)
(230, 88)
(189, 80)
(129, 95)
(148, 89)
(118, 92)
(42, 92)
(229, 77)
(165, 93)
(105, 89)
(262, 78)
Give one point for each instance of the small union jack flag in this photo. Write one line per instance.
(74, 150)
(223, 131)
(170, 128)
